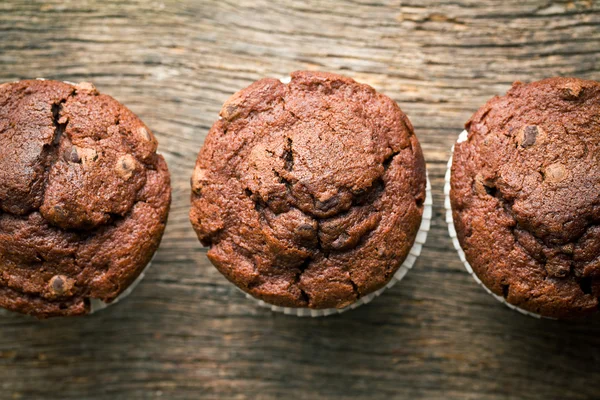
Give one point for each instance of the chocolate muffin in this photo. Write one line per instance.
(84, 197)
(309, 194)
(525, 196)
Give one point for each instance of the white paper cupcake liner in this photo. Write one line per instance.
(452, 232)
(408, 263)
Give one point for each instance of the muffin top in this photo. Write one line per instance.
(84, 197)
(525, 195)
(309, 194)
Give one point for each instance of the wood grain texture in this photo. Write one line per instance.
(185, 332)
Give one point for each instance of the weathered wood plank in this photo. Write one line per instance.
(185, 332)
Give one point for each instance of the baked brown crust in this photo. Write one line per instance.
(84, 197)
(525, 194)
(309, 194)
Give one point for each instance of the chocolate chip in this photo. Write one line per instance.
(57, 284)
(528, 136)
(80, 155)
(60, 285)
(570, 91)
(230, 111)
(86, 87)
(144, 134)
(73, 155)
(555, 173)
(199, 177)
(126, 166)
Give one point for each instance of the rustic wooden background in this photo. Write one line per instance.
(185, 332)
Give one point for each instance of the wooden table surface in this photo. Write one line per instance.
(186, 333)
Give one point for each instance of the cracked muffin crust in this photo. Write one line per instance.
(309, 194)
(84, 197)
(525, 196)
